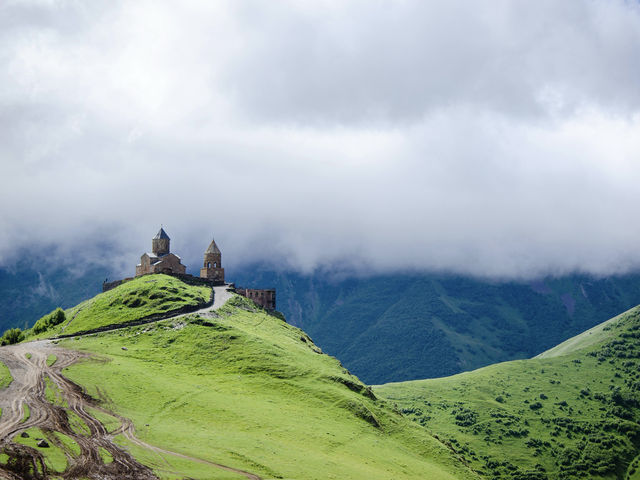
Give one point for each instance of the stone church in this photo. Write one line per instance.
(160, 260)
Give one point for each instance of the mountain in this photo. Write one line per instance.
(572, 412)
(410, 326)
(220, 393)
(382, 327)
(154, 380)
(33, 286)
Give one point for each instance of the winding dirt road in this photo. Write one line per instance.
(29, 388)
(32, 377)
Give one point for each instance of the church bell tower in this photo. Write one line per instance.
(212, 266)
(160, 243)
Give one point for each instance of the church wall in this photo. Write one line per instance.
(169, 263)
(266, 298)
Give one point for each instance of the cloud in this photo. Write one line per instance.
(496, 140)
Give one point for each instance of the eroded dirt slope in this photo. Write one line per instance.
(32, 377)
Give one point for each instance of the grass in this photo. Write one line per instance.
(573, 413)
(5, 376)
(168, 467)
(53, 393)
(27, 413)
(109, 422)
(633, 472)
(105, 455)
(140, 297)
(77, 424)
(59, 446)
(51, 359)
(250, 391)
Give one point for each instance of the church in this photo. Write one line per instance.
(160, 260)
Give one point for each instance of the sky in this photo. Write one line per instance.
(497, 139)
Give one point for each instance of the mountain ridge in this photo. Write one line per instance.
(384, 327)
(402, 327)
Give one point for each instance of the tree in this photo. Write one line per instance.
(11, 336)
(54, 318)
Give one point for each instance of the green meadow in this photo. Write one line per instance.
(245, 389)
(55, 454)
(242, 388)
(574, 412)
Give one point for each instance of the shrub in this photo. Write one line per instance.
(11, 336)
(54, 318)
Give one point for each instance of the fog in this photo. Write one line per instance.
(499, 140)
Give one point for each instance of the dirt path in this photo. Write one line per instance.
(29, 387)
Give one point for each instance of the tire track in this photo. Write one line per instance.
(29, 387)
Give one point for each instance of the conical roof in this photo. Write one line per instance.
(161, 234)
(213, 248)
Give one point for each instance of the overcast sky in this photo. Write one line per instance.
(493, 138)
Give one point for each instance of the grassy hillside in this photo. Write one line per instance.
(245, 389)
(573, 413)
(142, 296)
(402, 327)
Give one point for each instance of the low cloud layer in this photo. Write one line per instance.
(499, 140)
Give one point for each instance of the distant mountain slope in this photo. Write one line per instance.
(33, 287)
(593, 336)
(243, 388)
(385, 327)
(574, 413)
(402, 327)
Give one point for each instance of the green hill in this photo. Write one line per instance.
(242, 388)
(396, 327)
(574, 412)
(139, 298)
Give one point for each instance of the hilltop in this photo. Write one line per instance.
(235, 388)
(141, 298)
(573, 412)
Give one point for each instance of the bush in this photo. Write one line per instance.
(54, 318)
(11, 336)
